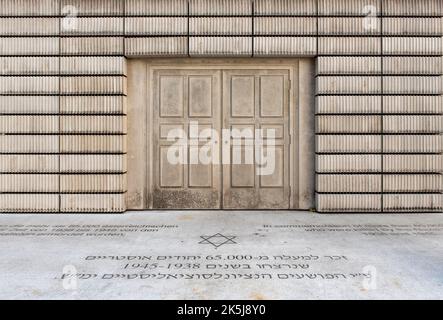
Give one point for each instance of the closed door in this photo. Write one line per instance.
(221, 139)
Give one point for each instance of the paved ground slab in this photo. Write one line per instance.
(221, 255)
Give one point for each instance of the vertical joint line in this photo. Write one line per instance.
(59, 110)
(252, 27)
(187, 28)
(381, 107)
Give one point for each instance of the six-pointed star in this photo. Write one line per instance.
(218, 240)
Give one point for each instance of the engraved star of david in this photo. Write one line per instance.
(218, 240)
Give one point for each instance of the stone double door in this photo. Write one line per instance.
(207, 152)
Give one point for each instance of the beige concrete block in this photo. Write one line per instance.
(348, 143)
(285, 26)
(413, 85)
(29, 183)
(150, 46)
(348, 183)
(89, 203)
(28, 104)
(412, 45)
(29, 7)
(348, 124)
(348, 84)
(413, 8)
(413, 143)
(29, 26)
(25, 163)
(93, 85)
(28, 124)
(348, 65)
(348, 8)
(413, 202)
(159, 26)
(29, 46)
(413, 183)
(341, 26)
(413, 104)
(93, 65)
(413, 163)
(348, 104)
(284, 46)
(92, 46)
(28, 65)
(220, 7)
(412, 65)
(220, 46)
(92, 104)
(93, 8)
(30, 203)
(333, 163)
(348, 203)
(28, 144)
(93, 144)
(220, 26)
(284, 7)
(93, 124)
(156, 7)
(29, 85)
(73, 183)
(413, 124)
(96, 26)
(93, 163)
(412, 26)
(349, 45)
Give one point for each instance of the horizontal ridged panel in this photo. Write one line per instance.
(220, 7)
(349, 45)
(93, 26)
(220, 26)
(348, 183)
(29, 7)
(413, 163)
(413, 124)
(412, 65)
(92, 104)
(348, 163)
(412, 26)
(93, 65)
(93, 85)
(348, 8)
(348, 143)
(220, 46)
(413, 143)
(413, 183)
(29, 26)
(284, 46)
(28, 104)
(93, 183)
(156, 26)
(348, 26)
(28, 124)
(28, 65)
(29, 183)
(412, 46)
(413, 202)
(29, 46)
(348, 124)
(28, 144)
(348, 85)
(92, 203)
(411, 85)
(285, 26)
(92, 46)
(93, 8)
(348, 202)
(413, 8)
(93, 144)
(93, 124)
(156, 7)
(413, 104)
(29, 85)
(348, 104)
(165, 46)
(284, 7)
(21, 163)
(28, 203)
(348, 65)
(92, 163)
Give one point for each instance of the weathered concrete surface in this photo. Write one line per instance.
(167, 255)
